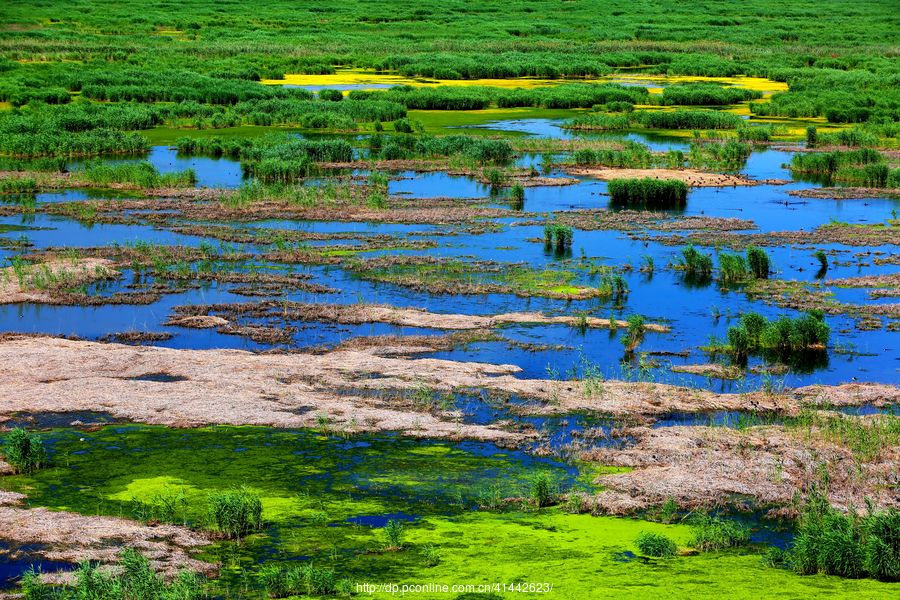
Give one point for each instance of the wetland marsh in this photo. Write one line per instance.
(449, 300)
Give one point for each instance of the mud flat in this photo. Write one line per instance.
(71, 537)
(229, 387)
(702, 466)
(40, 282)
(846, 193)
(381, 313)
(691, 177)
(44, 374)
(850, 235)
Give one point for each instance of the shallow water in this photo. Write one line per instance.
(695, 314)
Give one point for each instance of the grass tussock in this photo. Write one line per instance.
(24, 451)
(135, 580)
(847, 545)
(656, 545)
(235, 513)
(648, 193)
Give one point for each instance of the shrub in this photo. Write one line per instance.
(882, 555)
(517, 196)
(757, 133)
(135, 579)
(732, 268)
(812, 137)
(281, 582)
(715, 533)
(403, 126)
(141, 174)
(542, 490)
(24, 451)
(695, 264)
(826, 541)
(634, 334)
(758, 261)
(18, 185)
(393, 530)
(656, 545)
(331, 95)
(649, 193)
(558, 236)
(688, 119)
(706, 94)
(823, 260)
(785, 339)
(235, 513)
(431, 556)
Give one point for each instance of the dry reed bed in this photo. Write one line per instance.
(701, 466)
(71, 537)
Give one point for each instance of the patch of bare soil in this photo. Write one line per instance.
(137, 337)
(810, 296)
(45, 282)
(431, 211)
(230, 387)
(891, 280)
(850, 235)
(710, 370)
(602, 219)
(524, 177)
(708, 466)
(381, 313)
(846, 193)
(71, 537)
(44, 374)
(197, 321)
(691, 177)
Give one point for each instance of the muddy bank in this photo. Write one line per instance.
(71, 537)
(702, 466)
(46, 282)
(691, 177)
(523, 177)
(631, 220)
(381, 313)
(44, 374)
(837, 233)
(891, 280)
(846, 193)
(231, 387)
(711, 370)
(812, 296)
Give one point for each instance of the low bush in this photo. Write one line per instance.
(135, 579)
(281, 582)
(846, 545)
(715, 533)
(24, 451)
(393, 531)
(656, 545)
(648, 193)
(235, 513)
(141, 174)
(688, 119)
(784, 336)
(558, 236)
(706, 94)
(543, 490)
(695, 265)
(759, 262)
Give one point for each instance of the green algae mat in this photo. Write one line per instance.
(327, 498)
